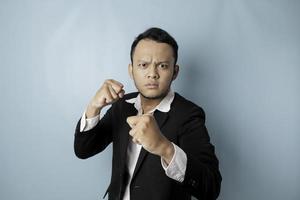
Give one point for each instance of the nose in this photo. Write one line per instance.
(152, 72)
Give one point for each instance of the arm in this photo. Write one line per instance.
(95, 140)
(202, 176)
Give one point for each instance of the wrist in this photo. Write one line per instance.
(92, 111)
(168, 152)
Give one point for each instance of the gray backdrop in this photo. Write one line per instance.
(239, 60)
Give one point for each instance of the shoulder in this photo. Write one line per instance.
(186, 108)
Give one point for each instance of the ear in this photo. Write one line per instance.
(130, 70)
(176, 71)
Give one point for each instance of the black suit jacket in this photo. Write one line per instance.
(183, 125)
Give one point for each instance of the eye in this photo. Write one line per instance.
(142, 65)
(163, 66)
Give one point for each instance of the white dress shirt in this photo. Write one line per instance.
(177, 166)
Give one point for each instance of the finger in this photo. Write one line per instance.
(132, 132)
(132, 121)
(113, 92)
(121, 94)
(117, 86)
(136, 141)
(116, 82)
(107, 96)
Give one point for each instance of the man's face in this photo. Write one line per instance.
(153, 68)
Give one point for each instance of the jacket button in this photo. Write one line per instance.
(193, 183)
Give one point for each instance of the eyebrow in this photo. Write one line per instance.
(142, 61)
(156, 63)
(163, 62)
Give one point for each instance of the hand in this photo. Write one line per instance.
(146, 132)
(108, 93)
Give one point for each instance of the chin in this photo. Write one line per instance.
(153, 95)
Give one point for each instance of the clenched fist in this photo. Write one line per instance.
(109, 92)
(145, 131)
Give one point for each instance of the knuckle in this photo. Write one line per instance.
(105, 84)
(131, 132)
(117, 88)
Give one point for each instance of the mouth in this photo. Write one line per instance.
(152, 85)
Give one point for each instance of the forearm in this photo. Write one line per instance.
(91, 139)
(91, 142)
(202, 179)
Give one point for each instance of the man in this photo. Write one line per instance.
(161, 148)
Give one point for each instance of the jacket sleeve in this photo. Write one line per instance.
(89, 143)
(202, 176)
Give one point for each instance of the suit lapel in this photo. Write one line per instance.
(129, 110)
(160, 118)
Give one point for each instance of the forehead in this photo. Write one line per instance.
(149, 49)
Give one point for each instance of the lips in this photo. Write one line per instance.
(152, 85)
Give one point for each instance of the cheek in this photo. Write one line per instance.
(167, 77)
(138, 78)
(139, 73)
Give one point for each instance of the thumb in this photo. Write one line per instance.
(132, 120)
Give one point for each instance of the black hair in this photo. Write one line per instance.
(157, 35)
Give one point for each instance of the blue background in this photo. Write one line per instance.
(239, 60)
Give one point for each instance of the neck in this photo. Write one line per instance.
(149, 104)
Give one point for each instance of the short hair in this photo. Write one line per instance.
(157, 35)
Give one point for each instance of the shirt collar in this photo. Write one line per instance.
(163, 106)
